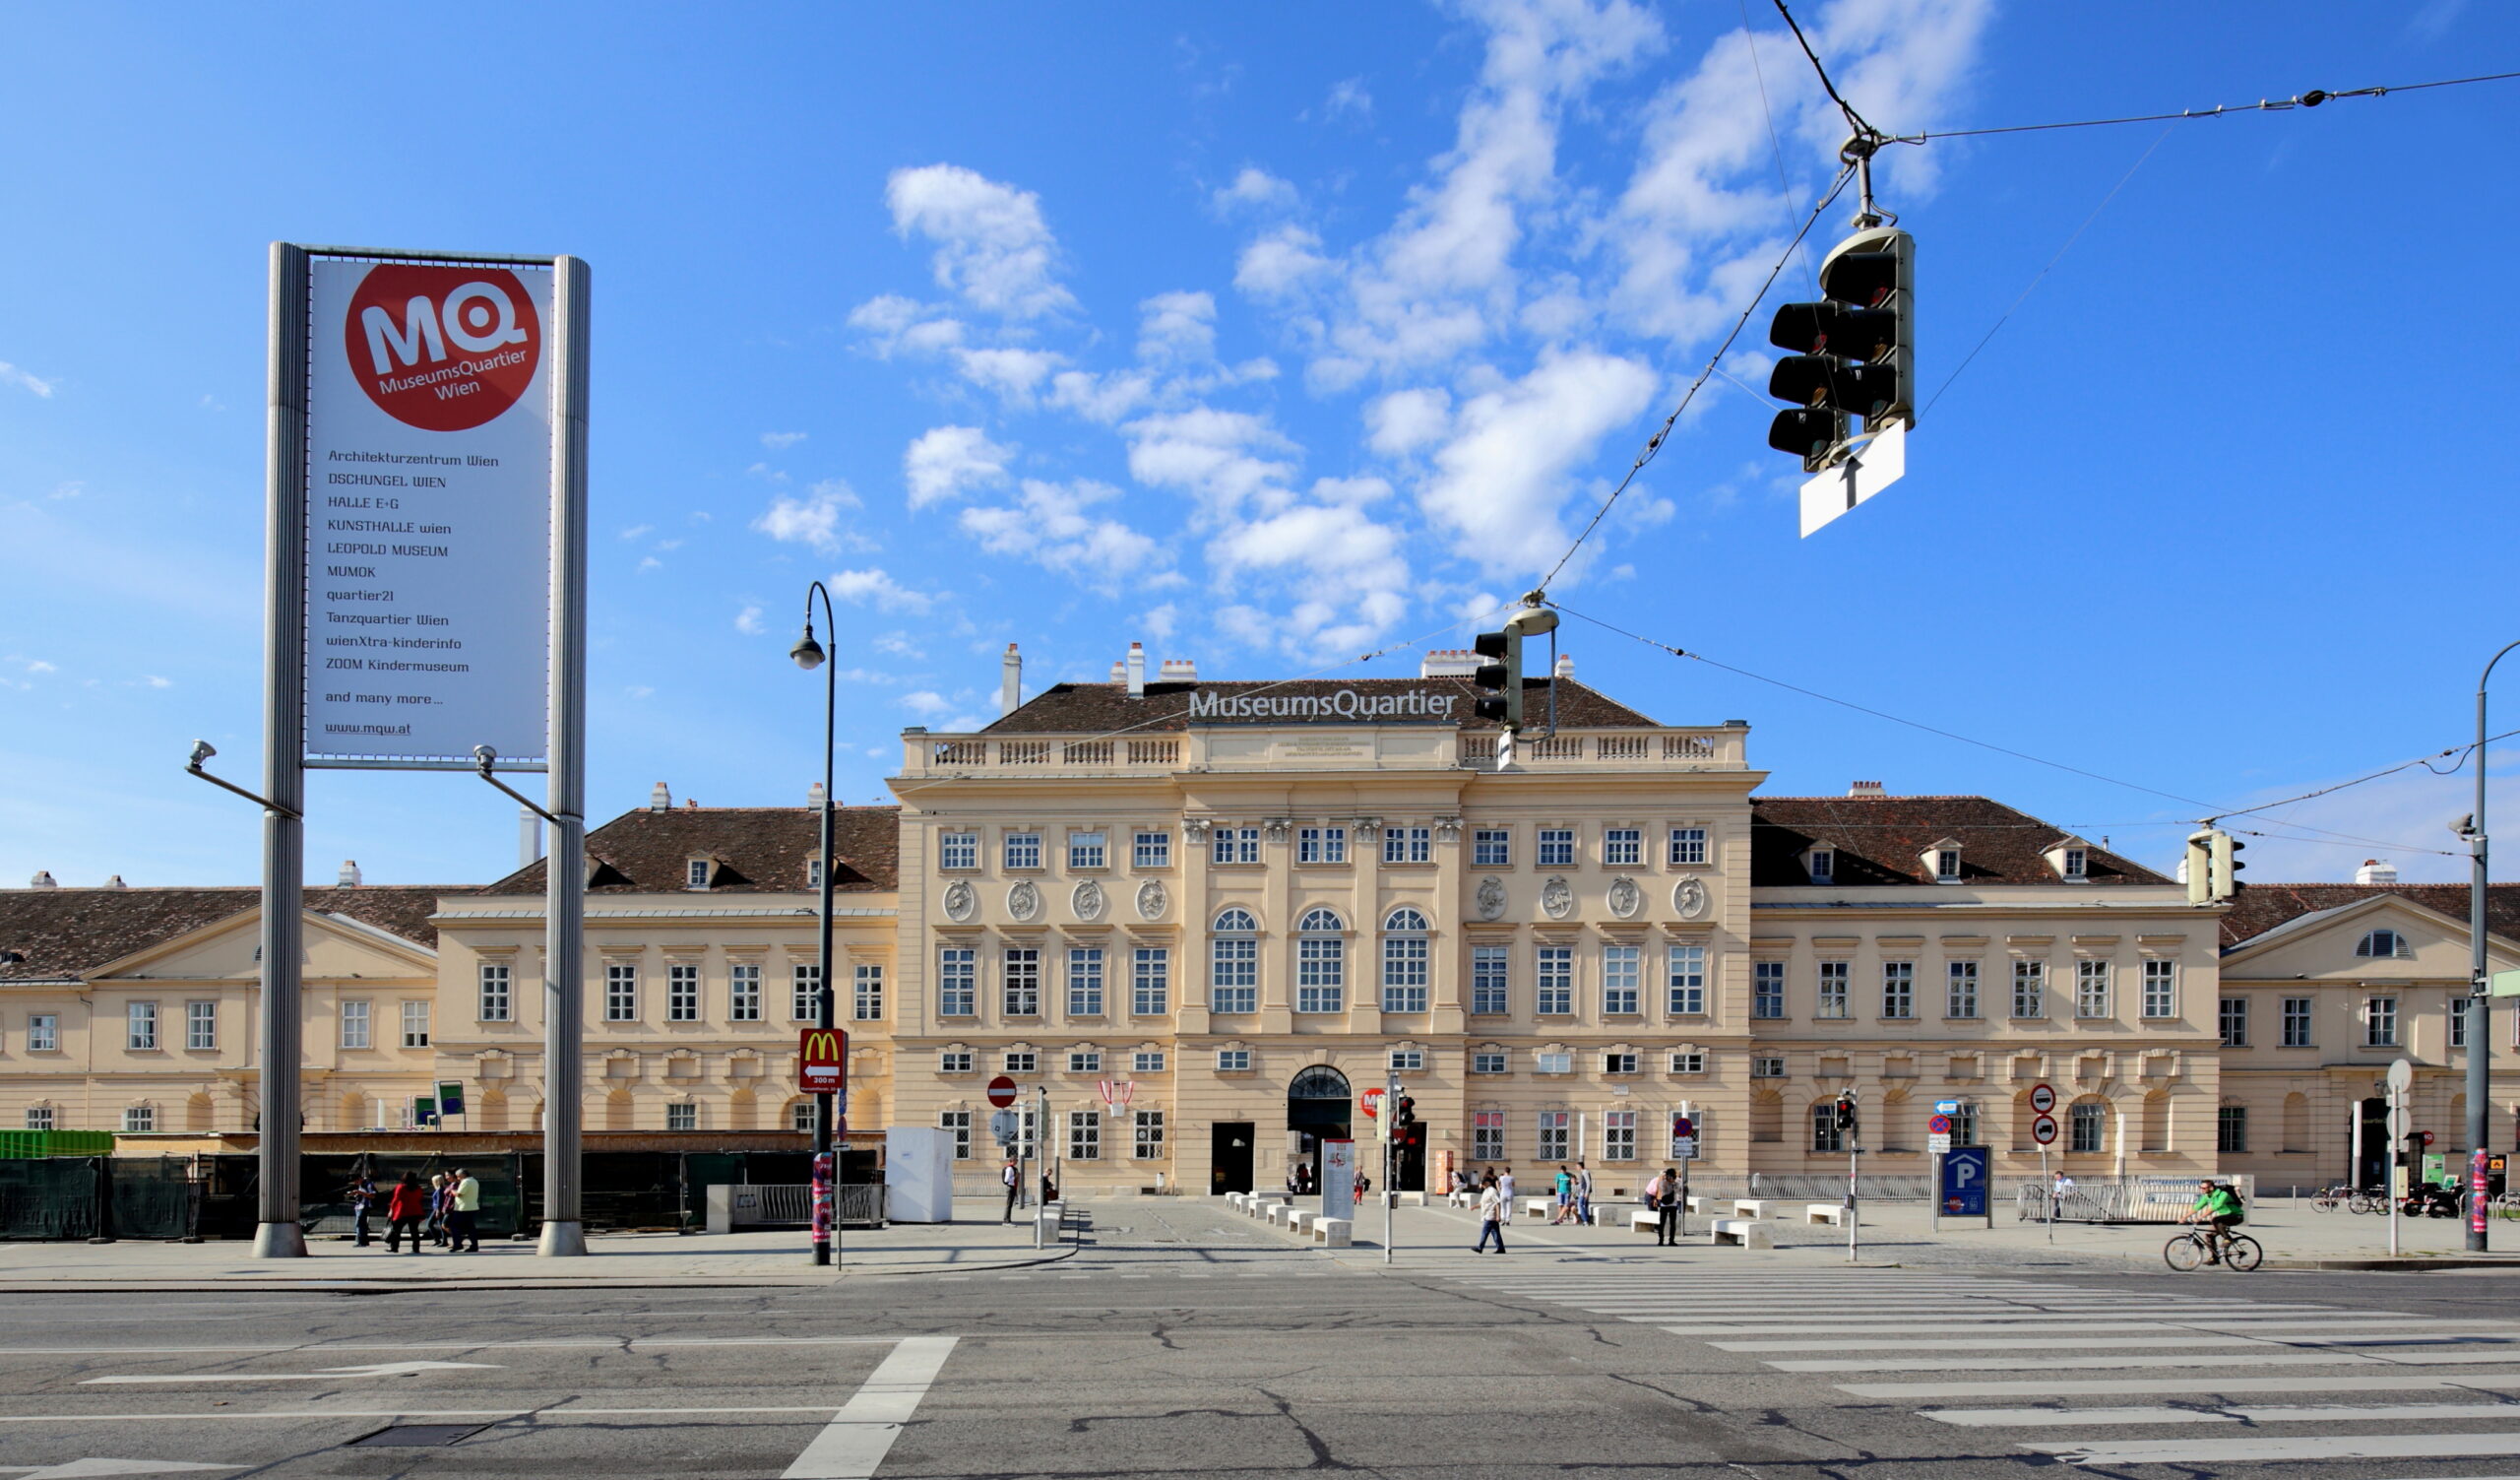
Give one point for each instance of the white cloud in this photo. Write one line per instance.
(1256, 187)
(1101, 398)
(636, 530)
(993, 247)
(878, 587)
(946, 462)
(1012, 374)
(1161, 622)
(898, 644)
(1048, 525)
(749, 620)
(1278, 262)
(1209, 453)
(1348, 100)
(1342, 570)
(1177, 326)
(65, 491)
(26, 380)
(650, 562)
(896, 325)
(813, 519)
(925, 701)
(638, 691)
(1405, 420)
(780, 441)
(1353, 491)
(154, 681)
(1499, 482)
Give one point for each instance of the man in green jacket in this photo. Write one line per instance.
(2217, 1206)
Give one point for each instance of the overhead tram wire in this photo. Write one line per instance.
(2310, 99)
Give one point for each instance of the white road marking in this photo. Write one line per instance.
(2190, 1384)
(852, 1445)
(2256, 1447)
(329, 1374)
(2068, 1364)
(79, 1467)
(321, 1348)
(2060, 1341)
(1996, 1325)
(2331, 1413)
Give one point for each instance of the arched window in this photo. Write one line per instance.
(2087, 1123)
(1825, 1135)
(1234, 964)
(2383, 944)
(1321, 963)
(1404, 961)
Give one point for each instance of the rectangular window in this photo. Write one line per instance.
(1150, 981)
(1767, 1067)
(1085, 980)
(497, 999)
(1960, 988)
(1767, 988)
(39, 1118)
(1234, 1061)
(1022, 850)
(1622, 980)
(43, 1033)
(138, 1120)
(800, 1117)
(1554, 1133)
(1086, 849)
(201, 1025)
(2091, 989)
(355, 1026)
(1085, 1136)
(683, 1117)
(1623, 847)
(1688, 847)
(2085, 1126)
(1558, 848)
(957, 850)
(2235, 1022)
(1898, 988)
(1407, 1060)
(1552, 1063)
(1554, 981)
(1147, 1061)
(1836, 1001)
(2077, 864)
(2296, 1022)
(1152, 850)
(1487, 1063)
(1085, 1060)
(959, 1121)
(869, 1007)
(1825, 865)
(1618, 1063)
(1233, 845)
(1618, 1135)
(1687, 986)
(1321, 845)
(954, 1062)
(2030, 989)
(1487, 971)
(1488, 1136)
(1321, 974)
(140, 1020)
(2459, 1017)
(1021, 1062)
(1688, 1062)
(2231, 1128)
(682, 993)
(1946, 865)
(1408, 845)
(1147, 1142)
(804, 993)
(1233, 974)
(416, 1025)
(620, 993)
(1021, 994)
(696, 873)
(2161, 988)
(813, 874)
(1491, 848)
(1404, 971)
(2380, 1022)
(957, 988)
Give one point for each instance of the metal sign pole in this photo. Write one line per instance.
(564, 869)
(2047, 1192)
(1855, 1216)
(1389, 1144)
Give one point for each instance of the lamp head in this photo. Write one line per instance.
(485, 754)
(202, 751)
(807, 652)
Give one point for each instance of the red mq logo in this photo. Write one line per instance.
(443, 348)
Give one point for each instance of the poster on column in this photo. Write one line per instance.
(428, 511)
(1338, 1179)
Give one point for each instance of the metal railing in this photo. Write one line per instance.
(928, 755)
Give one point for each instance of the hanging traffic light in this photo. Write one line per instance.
(1500, 682)
(2197, 869)
(1853, 353)
(2226, 864)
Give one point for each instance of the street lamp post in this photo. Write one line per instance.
(809, 656)
(2480, 985)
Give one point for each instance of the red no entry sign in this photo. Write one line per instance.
(1001, 1091)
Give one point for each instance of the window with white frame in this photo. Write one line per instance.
(1686, 994)
(1147, 1136)
(1946, 865)
(1321, 963)
(2091, 989)
(869, 998)
(954, 1062)
(1558, 848)
(1234, 1061)
(1836, 998)
(1487, 973)
(201, 1025)
(2233, 1016)
(1408, 845)
(1022, 850)
(2086, 1124)
(1555, 1135)
(1085, 980)
(1086, 849)
(1964, 1123)
(140, 1024)
(1150, 850)
(2383, 944)
(1488, 1136)
(1623, 847)
(1768, 1066)
(1491, 848)
(1085, 1136)
(2029, 989)
(2161, 988)
(2077, 864)
(1233, 845)
(1687, 848)
(1321, 845)
(696, 873)
(958, 989)
(1960, 988)
(2380, 1022)
(1553, 1064)
(39, 1118)
(1150, 981)
(1404, 961)
(1147, 1061)
(138, 1120)
(1688, 1062)
(1487, 1063)
(683, 1115)
(1405, 1061)
(1020, 1062)
(800, 1117)
(1554, 981)
(1234, 964)
(1767, 988)
(1085, 1060)
(1823, 863)
(2297, 1022)
(416, 1024)
(355, 1032)
(958, 849)
(1622, 980)
(1898, 988)
(43, 1033)
(959, 1123)
(805, 992)
(1618, 1135)
(2459, 1019)
(1825, 1135)
(1019, 984)
(813, 874)
(620, 992)
(1618, 1061)
(682, 993)
(497, 998)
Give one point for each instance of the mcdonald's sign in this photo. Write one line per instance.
(821, 1060)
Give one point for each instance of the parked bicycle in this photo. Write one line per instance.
(2328, 1199)
(2196, 1247)
(2367, 1202)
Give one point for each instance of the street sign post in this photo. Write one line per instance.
(821, 1060)
(2401, 1080)
(1962, 1184)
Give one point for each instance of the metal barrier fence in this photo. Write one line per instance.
(853, 1205)
(98, 1196)
(2123, 1199)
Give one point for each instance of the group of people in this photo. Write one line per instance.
(1300, 1182)
(1493, 1192)
(446, 1212)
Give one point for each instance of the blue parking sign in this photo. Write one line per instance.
(1965, 1177)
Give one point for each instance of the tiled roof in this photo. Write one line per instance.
(2259, 907)
(61, 934)
(1106, 708)
(1882, 840)
(759, 850)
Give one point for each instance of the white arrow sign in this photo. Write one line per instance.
(372, 1370)
(69, 1469)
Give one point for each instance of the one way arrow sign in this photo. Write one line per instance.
(372, 1370)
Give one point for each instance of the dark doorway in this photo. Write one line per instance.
(1318, 1105)
(2372, 1146)
(1230, 1159)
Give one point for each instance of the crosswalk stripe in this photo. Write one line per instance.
(2331, 1413)
(2075, 1340)
(2069, 1364)
(2254, 1448)
(2186, 1383)
(2006, 1324)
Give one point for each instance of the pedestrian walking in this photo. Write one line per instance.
(1013, 1176)
(1491, 1219)
(404, 1211)
(1582, 1194)
(464, 1213)
(437, 1209)
(1506, 1190)
(1565, 1199)
(1666, 1193)
(362, 1203)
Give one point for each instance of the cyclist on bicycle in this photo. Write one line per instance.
(2219, 1207)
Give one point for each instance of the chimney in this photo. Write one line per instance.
(1865, 789)
(691, 804)
(114, 881)
(2182, 866)
(1119, 669)
(1010, 683)
(1565, 668)
(42, 881)
(814, 798)
(659, 798)
(1448, 663)
(1137, 670)
(1179, 671)
(529, 836)
(349, 878)
(2373, 872)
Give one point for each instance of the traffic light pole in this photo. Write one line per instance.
(1389, 1144)
(2480, 1001)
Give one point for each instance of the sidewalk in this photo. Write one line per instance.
(975, 1242)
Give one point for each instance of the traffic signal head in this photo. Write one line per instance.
(2198, 869)
(1851, 352)
(1500, 682)
(1846, 1112)
(1405, 1113)
(2225, 864)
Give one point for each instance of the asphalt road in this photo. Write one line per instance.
(1183, 1341)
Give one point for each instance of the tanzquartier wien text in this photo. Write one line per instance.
(1339, 704)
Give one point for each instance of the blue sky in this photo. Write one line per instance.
(1268, 339)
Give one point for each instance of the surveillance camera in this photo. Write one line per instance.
(203, 750)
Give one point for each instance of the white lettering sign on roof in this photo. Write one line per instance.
(1337, 704)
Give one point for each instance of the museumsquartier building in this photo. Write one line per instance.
(1205, 917)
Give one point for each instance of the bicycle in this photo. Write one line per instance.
(2188, 1251)
(2329, 1200)
(2367, 1202)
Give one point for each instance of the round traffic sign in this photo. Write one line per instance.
(1683, 1125)
(1371, 1101)
(1939, 1125)
(2044, 1130)
(1001, 1091)
(2042, 1098)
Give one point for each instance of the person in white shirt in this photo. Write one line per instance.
(1506, 1190)
(1491, 1219)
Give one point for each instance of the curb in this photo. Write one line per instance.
(373, 1286)
(2411, 1264)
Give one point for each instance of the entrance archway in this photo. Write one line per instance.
(1319, 1107)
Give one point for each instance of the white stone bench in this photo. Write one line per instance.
(1235, 1200)
(1832, 1213)
(1335, 1233)
(1645, 1220)
(1749, 1233)
(1539, 1207)
(1302, 1219)
(1277, 1214)
(1697, 1204)
(1750, 1207)
(1258, 1206)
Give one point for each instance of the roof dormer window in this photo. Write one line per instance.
(2070, 858)
(2077, 864)
(813, 874)
(696, 871)
(1943, 861)
(1823, 865)
(2385, 944)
